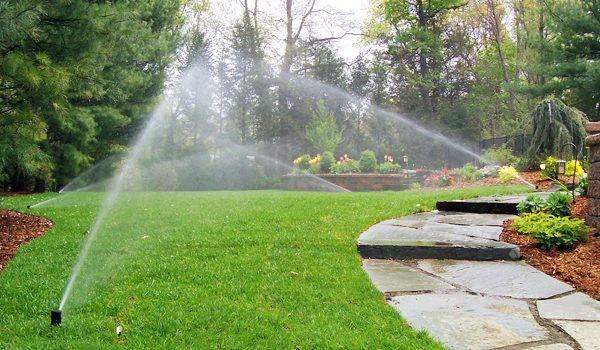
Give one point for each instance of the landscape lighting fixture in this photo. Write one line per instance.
(560, 166)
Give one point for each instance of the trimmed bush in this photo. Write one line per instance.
(389, 168)
(368, 162)
(550, 231)
(507, 173)
(327, 160)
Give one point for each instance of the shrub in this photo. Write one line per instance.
(533, 204)
(549, 168)
(368, 162)
(415, 186)
(559, 204)
(327, 160)
(573, 167)
(302, 162)
(502, 155)
(582, 187)
(440, 178)
(507, 173)
(469, 172)
(314, 168)
(345, 165)
(322, 132)
(550, 231)
(389, 168)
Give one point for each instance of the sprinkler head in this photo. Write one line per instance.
(55, 317)
(28, 206)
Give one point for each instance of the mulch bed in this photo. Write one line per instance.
(579, 267)
(16, 229)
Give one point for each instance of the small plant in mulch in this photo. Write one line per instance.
(550, 231)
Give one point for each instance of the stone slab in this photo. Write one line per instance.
(398, 242)
(586, 333)
(464, 321)
(392, 276)
(556, 346)
(470, 219)
(486, 232)
(487, 205)
(592, 127)
(577, 306)
(500, 278)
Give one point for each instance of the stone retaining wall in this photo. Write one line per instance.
(351, 182)
(593, 142)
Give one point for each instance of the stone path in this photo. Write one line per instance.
(447, 273)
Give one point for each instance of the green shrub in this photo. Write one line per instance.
(469, 172)
(314, 168)
(507, 173)
(533, 204)
(389, 168)
(368, 162)
(582, 187)
(549, 168)
(302, 162)
(327, 160)
(502, 155)
(346, 167)
(559, 204)
(573, 167)
(550, 231)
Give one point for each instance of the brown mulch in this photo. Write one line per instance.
(535, 177)
(16, 229)
(579, 267)
(579, 207)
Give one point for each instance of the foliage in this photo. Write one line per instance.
(440, 178)
(389, 168)
(555, 125)
(368, 162)
(573, 167)
(559, 204)
(501, 155)
(507, 173)
(469, 172)
(582, 187)
(550, 168)
(327, 161)
(322, 132)
(345, 165)
(77, 78)
(550, 231)
(302, 162)
(532, 204)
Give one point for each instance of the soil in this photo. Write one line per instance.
(535, 177)
(579, 267)
(579, 207)
(16, 229)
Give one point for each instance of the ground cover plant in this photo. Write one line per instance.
(255, 269)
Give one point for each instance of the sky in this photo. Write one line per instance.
(333, 19)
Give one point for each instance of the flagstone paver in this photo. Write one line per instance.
(577, 306)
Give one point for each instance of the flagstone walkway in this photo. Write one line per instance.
(448, 273)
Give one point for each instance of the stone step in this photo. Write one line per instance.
(438, 235)
(486, 205)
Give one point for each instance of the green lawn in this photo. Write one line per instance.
(256, 269)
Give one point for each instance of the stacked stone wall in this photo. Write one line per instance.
(593, 142)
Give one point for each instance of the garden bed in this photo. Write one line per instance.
(580, 267)
(16, 229)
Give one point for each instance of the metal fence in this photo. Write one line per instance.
(518, 143)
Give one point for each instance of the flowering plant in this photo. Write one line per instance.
(388, 158)
(440, 178)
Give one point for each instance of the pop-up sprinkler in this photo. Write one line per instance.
(55, 317)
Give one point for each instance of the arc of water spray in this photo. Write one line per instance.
(399, 118)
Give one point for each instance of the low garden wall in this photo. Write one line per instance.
(593, 142)
(351, 182)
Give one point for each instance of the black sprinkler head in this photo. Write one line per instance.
(55, 317)
(29, 206)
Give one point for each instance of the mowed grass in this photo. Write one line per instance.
(256, 269)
